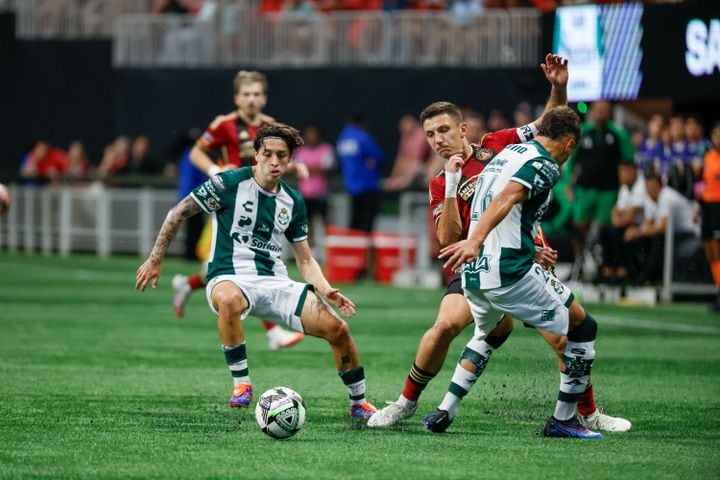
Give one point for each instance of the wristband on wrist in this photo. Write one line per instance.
(452, 180)
(213, 170)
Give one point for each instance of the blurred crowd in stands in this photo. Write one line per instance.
(459, 7)
(124, 156)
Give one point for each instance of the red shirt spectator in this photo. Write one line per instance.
(45, 162)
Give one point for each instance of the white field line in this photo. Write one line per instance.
(653, 325)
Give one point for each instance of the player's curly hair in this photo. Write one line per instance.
(286, 133)
(559, 122)
(246, 76)
(439, 108)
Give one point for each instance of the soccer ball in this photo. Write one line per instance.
(280, 412)
(5, 199)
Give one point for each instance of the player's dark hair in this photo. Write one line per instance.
(440, 108)
(652, 175)
(286, 133)
(559, 122)
(246, 76)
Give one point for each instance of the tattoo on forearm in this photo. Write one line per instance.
(186, 208)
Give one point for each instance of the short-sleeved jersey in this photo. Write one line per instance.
(600, 151)
(509, 251)
(234, 138)
(248, 222)
(490, 145)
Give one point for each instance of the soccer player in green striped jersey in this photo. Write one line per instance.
(500, 276)
(252, 209)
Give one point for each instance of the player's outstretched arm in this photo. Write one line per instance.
(467, 251)
(312, 274)
(150, 270)
(202, 161)
(556, 72)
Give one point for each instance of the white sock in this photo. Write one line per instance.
(405, 403)
(462, 381)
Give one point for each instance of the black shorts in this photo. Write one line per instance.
(710, 221)
(455, 286)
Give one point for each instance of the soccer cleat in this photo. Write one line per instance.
(390, 415)
(438, 421)
(182, 294)
(279, 338)
(570, 428)
(362, 410)
(242, 396)
(599, 421)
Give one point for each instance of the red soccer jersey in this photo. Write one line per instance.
(233, 138)
(490, 145)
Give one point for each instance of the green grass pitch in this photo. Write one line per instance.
(100, 381)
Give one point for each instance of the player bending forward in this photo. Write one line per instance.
(451, 194)
(500, 276)
(251, 209)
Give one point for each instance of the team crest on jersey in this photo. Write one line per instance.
(557, 286)
(283, 216)
(484, 154)
(211, 203)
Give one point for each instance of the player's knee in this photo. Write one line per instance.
(576, 314)
(338, 332)
(231, 305)
(448, 326)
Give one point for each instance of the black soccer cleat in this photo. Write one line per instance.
(438, 421)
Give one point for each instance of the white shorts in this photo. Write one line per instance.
(277, 299)
(538, 299)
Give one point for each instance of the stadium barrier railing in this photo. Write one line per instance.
(234, 32)
(104, 219)
(93, 218)
(238, 36)
(72, 19)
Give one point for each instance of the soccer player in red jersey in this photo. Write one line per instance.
(232, 136)
(451, 194)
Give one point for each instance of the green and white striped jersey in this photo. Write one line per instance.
(509, 251)
(247, 223)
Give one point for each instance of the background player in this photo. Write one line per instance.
(246, 273)
(231, 136)
(451, 194)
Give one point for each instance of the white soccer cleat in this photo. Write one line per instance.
(182, 294)
(599, 421)
(390, 415)
(279, 338)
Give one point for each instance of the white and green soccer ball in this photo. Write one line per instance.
(280, 412)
